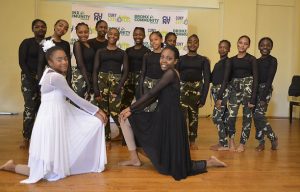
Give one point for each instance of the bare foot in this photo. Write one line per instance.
(131, 162)
(25, 144)
(260, 147)
(231, 145)
(214, 162)
(241, 148)
(193, 146)
(218, 147)
(274, 144)
(119, 137)
(108, 145)
(8, 166)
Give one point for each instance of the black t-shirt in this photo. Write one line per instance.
(195, 68)
(84, 56)
(135, 58)
(217, 74)
(28, 56)
(95, 44)
(115, 61)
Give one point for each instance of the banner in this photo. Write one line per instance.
(126, 19)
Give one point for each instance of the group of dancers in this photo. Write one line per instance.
(70, 136)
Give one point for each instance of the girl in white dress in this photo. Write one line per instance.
(65, 140)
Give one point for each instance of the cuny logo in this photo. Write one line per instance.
(146, 18)
(166, 19)
(80, 15)
(98, 16)
(151, 30)
(112, 17)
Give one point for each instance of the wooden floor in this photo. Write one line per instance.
(248, 171)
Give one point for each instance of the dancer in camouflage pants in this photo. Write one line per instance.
(240, 93)
(130, 88)
(220, 116)
(190, 98)
(108, 82)
(262, 125)
(32, 100)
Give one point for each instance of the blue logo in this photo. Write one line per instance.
(98, 16)
(166, 19)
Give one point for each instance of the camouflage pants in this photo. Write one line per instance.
(262, 125)
(189, 97)
(148, 85)
(240, 93)
(32, 101)
(130, 89)
(78, 83)
(107, 83)
(220, 116)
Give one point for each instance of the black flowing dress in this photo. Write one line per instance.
(163, 134)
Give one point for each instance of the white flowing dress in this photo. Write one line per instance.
(65, 140)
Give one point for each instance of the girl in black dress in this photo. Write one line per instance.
(135, 61)
(162, 134)
(28, 61)
(84, 55)
(60, 29)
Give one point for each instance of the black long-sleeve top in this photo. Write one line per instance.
(135, 58)
(195, 68)
(95, 44)
(267, 68)
(240, 68)
(85, 60)
(28, 56)
(168, 77)
(42, 59)
(115, 61)
(218, 72)
(150, 68)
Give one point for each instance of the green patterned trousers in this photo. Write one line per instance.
(107, 83)
(32, 101)
(220, 116)
(130, 89)
(189, 97)
(240, 93)
(261, 123)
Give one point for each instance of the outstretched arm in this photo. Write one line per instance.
(59, 82)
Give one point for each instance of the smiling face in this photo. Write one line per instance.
(265, 47)
(59, 61)
(155, 41)
(39, 29)
(171, 40)
(82, 32)
(61, 28)
(167, 59)
(102, 29)
(243, 44)
(223, 49)
(138, 36)
(113, 36)
(193, 44)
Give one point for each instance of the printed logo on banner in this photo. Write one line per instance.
(166, 19)
(98, 16)
(180, 45)
(80, 15)
(146, 18)
(181, 20)
(180, 32)
(123, 31)
(113, 17)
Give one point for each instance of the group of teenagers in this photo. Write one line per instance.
(153, 97)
